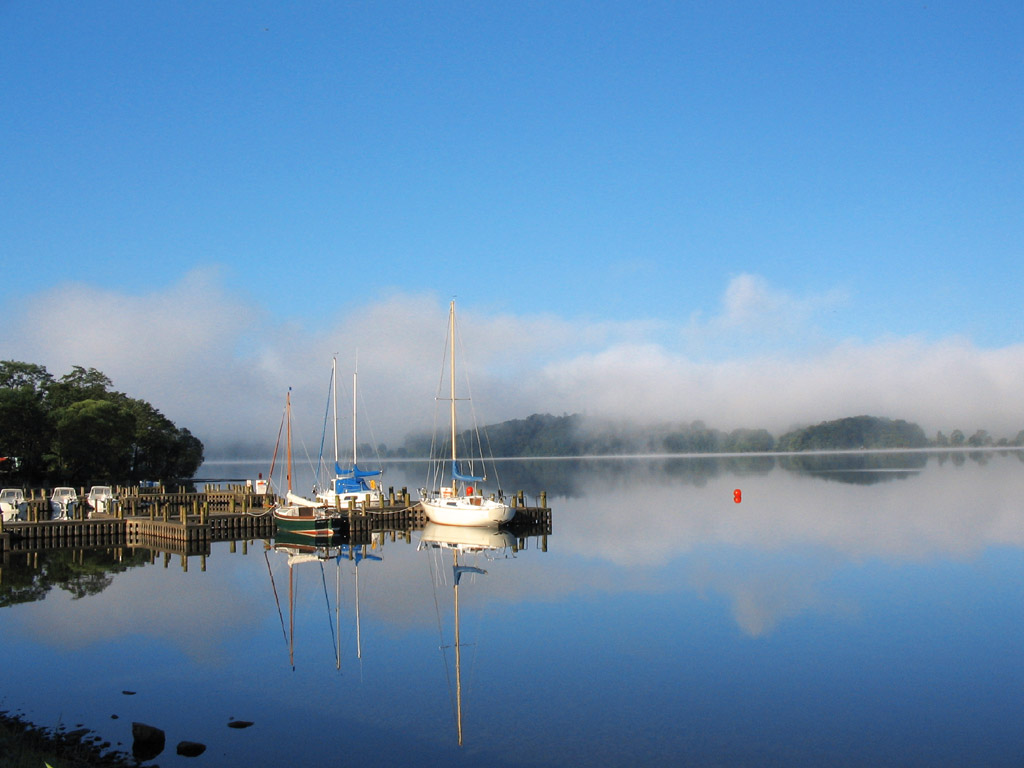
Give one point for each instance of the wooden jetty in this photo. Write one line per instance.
(188, 522)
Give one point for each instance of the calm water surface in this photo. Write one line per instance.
(860, 611)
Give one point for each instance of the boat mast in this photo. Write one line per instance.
(288, 440)
(355, 374)
(451, 332)
(334, 402)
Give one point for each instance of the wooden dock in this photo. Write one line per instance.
(188, 523)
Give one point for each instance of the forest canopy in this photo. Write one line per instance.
(76, 430)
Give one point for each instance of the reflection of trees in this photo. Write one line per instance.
(80, 572)
(857, 468)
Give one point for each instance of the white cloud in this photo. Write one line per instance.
(211, 357)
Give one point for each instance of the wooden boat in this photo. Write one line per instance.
(297, 514)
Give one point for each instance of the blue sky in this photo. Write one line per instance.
(700, 193)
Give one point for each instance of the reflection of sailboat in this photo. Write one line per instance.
(443, 504)
(300, 549)
(297, 514)
(354, 485)
(465, 541)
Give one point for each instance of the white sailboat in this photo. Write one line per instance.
(355, 485)
(460, 501)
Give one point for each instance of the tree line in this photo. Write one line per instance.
(576, 435)
(76, 430)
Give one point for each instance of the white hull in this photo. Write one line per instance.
(63, 503)
(12, 505)
(12, 512)
(466, 510)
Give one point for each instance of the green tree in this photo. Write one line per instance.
(94, 439)
(956, 438)
(76, 429)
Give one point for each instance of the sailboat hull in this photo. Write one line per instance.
(310, 522)
(467, 510)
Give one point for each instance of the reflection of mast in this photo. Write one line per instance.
(457, 571)
(458, 648)
(359, 636)
(291, 617)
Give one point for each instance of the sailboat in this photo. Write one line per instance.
(462, 540)
(444, 504)
(297, 514)
(354, 485)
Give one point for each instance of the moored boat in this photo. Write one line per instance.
(354, 486)
(12, 504)
(459, 500)
(297, 514)
(101, 498)
(63, 503)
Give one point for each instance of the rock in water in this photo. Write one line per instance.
(147, 741)
(190, 748)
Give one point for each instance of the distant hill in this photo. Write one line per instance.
(853, 433)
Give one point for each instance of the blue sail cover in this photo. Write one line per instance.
(352, 481)
(464, 478)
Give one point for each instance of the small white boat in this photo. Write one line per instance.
(101, 498)
(63, 502)
(460, 500)
(12, 504)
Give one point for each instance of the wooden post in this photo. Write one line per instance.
(544, 499)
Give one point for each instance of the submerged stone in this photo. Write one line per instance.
(147, 741)
(190, 748)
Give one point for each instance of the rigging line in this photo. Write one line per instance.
(476, 421)
(276, 599)
(277, 445)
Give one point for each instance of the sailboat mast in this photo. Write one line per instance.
(451, 333)
(355, 375)
(334, 402)
(288, 440)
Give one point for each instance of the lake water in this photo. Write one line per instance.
(852, 611)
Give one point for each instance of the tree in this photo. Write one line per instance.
(16, 375)
(979, 438)
(78, 430)
(956, 438)
(81, 428)
(26, 431)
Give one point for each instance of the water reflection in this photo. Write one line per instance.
(469, 547)
(335, 548)
(664, 623)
